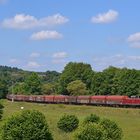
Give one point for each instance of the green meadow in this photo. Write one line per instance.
(128, 119)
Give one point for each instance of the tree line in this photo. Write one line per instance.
(75, 79)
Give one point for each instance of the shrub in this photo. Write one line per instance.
(93, 118)
(29, 125)
(1, 110)
(90, 131)
(113, 132)
(68, 123)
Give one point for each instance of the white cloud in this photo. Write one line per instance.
(134, 40)
(134, 37)
(14, 61)
(59, 58)
(22, 21)
(60, 55)
(119, 60)
(44, 35)
(107, 17)
(33, 64)
(34, 55)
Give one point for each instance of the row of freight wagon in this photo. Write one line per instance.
(89, 100)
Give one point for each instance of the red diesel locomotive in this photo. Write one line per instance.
(113, 100)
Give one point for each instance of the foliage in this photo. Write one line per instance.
(13, 77)
(18, 88)
(113, 132)
(33, 84)
(116, 82)
(75, 71)
(4, 83)
(127, 82)
(1, 110)
(90, 131)
(50, 76)
(68, 123)
(92, 118)
(102, 82)
(29, 125)
(77, 88)
(111, 81)
(95, 129)
(48, 89)
(3, 89)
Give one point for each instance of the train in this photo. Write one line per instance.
(103, 100)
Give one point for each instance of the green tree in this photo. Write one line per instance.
(48, 89)
(127, 82)
(33, 84)
(75, 71)
(103, 82)
(3, 89)
(4, 84)
(51, 76)
(18, 88)
(68, 123)
(77, 88)
(113, 132)
(90, 131)
(29, 125)
(1, 110)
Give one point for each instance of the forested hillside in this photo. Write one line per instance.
(75, 79)
(11, 78)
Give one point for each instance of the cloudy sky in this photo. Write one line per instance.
(43, 35)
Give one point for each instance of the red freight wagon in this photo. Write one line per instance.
(83, 99)
(98, 100)
(49, 98)
(59, 99)
(115, 100)
(19, 97)
(71, 99)
(40, 98)
(32, 98)
(132, 101)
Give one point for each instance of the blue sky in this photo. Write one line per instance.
(43, 35)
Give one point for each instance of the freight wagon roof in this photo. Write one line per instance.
(98, 97)
(83, 97)
(49, 96)
(116, 97)
(59, 97)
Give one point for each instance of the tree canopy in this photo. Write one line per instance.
(77, 88)
(29, 125)
(111, 81)
(75, 71)
(33, 84)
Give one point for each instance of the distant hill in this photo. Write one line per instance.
(17, 74)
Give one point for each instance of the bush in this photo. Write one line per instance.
(1, 110)
(29, 125)
(90, 131)
(93, 118)
(95, 129)
(68, 123)
(113, 132)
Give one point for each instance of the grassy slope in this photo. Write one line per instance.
(128, 119)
